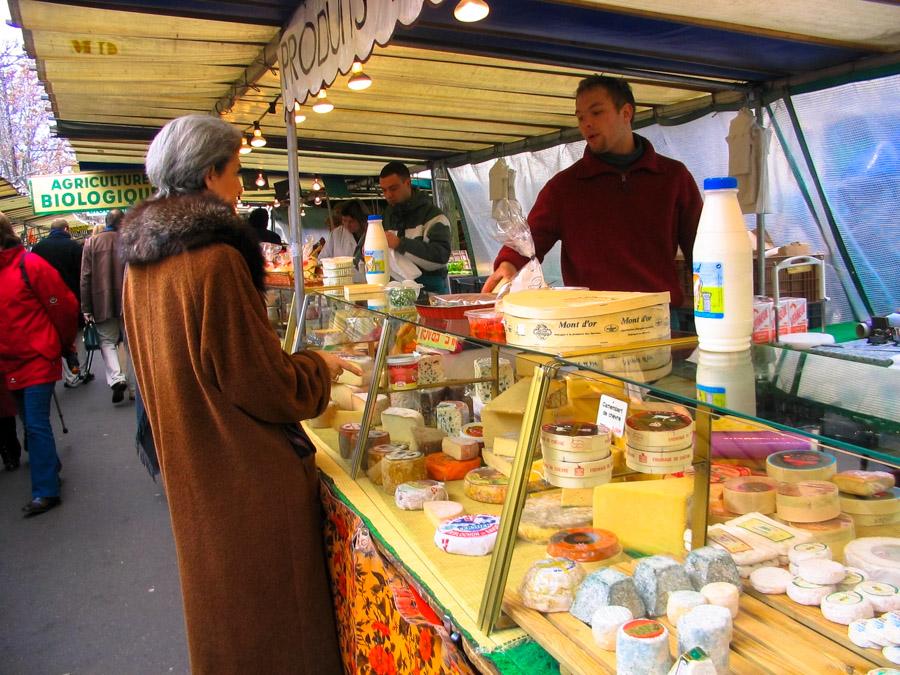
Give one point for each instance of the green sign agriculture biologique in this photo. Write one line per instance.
(89, 191)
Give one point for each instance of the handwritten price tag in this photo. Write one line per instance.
(425, 337)
(612, 414)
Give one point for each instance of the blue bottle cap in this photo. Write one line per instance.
(720, 183)
(370, 218)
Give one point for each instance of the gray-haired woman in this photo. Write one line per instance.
(223, 400)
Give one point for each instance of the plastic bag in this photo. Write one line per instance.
(512, 230)
(402, 268)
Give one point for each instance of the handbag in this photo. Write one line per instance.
(91, 337)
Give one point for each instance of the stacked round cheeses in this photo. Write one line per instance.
(337, 271)
(576, 454)
(659, 442)
(870, 499)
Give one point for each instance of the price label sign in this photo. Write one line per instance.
(426, 337)
(612, 414)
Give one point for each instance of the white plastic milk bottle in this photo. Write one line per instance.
(375, 253)
(727, 380)
(723, 268)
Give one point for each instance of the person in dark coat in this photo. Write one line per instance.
(10, 450)
(38, 318)
(222, 399)
(64, 253)
(259, 221)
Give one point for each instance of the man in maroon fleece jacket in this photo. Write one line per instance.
(621, 211)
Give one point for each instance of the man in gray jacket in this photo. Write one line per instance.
(415, 227)
(102, 278)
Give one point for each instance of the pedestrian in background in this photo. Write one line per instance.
(10, 450)
(223, 401)
(64, 253)
(259, 221)
(38, 318)
(102, 277)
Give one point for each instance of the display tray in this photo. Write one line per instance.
(766, 640)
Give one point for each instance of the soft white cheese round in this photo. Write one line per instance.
(820, 571)
(723, 594)
(770, 580)
(681, 602)
(884, 597)
(845, 607)
(605, 623)
(807, 593)
(807, 551)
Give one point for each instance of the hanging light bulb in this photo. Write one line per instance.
(276, 204)
(302, 212)
(299, 117)
(316, 185)
(260, 180)
(358, 80)
(317, 200)
(258, 139)
(245, 146)
(322, 104)
(469, 11)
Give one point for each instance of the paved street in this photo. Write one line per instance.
(91, 586)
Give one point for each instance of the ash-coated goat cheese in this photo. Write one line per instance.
(642, 648)
(708, 627)
(657, 576)
(708, 564)
(603, 588)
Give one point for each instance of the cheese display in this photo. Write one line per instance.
(324, 420)
(427, 403)
(401, 466)
(761, 530)
(603, 588)
(485, 485)
(342, 417)
(605, 623)
(709, 564)
(845, 607)
(800, 552)
(439, 511)
(431, 369)
(460, 448)
(440, 466)
(374, 456)
(642, 648)
(750, 493)
(382, 402)
(856, 631)
(405, 399)
(399, 423)
(693, 662)
(880, 504)
(808, 501)
(892, 653)
(892, 626)
(504, 414)
(578, 474)
(708, 627)
(883, 596)
(348, 377)
(793, 466)
(863, 483)
(468, 535)
(581, 439)
(647, 461)
(411, 496)
(835, 533)
(349, 433)
(770, 580)
(876, 632)
(852, 577)
(723, 594)
(807, 593)
(550, 584)
(681, 602)
(427, 440)
(506, 445)
(505, 377)
(659, 429)
(583, 391)
(451, 416)
(879, 557)
(821, 571)
(543, 516)
(657, 576)
(584, 544)
(565, 319)
(646, 516)
(342, 395)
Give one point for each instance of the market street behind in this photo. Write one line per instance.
(91, 586)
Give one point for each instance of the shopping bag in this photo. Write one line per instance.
(91, 337)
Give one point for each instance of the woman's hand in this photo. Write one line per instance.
(336, 365)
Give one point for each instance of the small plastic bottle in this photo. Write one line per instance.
(375, 253)
(727, 380)
(722, 271)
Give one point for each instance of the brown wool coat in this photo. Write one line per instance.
(218, 388)
(102, 273)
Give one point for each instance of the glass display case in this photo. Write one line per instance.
(499, 431)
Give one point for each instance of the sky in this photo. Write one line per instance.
(7, 33)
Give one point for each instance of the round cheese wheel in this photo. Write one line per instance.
(584, 544)
(809, 501)
(563, 457)
(642, 646)
(852, 577)
(575, 437)
(876, 632)
(892, 626)
(884, 597)
(892, 653)
(807, 551)
(770, 580)
(807, 593)
(723, 594)
(750, 493)
(820, 571)
(863, 483)
(856, 631)
(659, 429)
(682, 602)
(550, 584)
(441, 466)
(837, 533)
(845, 607)
(543, 516)
(578, 475)
(468, 535)
(880, 504)
(793, 466)
(440, 511)
(879, 557)
(605, 623)
(412, 496)
(647, 461)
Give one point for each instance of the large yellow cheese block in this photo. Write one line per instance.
(504, 414)
(646, 516)
(342, 417)
(567, 319)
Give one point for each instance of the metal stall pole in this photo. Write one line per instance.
(761, 223)
(294, 223)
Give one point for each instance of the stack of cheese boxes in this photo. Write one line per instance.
(576, 455)
(659, 442)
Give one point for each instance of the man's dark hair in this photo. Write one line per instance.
(114, 218)
(395, 169)
(618, 89)
(354, 209)
(59, 224)
(258, 219)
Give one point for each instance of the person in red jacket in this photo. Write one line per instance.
(621, 211)
(38, 317)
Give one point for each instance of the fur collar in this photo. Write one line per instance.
(159, 228)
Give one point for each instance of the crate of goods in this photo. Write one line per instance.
(280, 279)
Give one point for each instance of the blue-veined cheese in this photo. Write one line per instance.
(657, 576)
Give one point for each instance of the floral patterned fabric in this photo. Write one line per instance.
(384, 624)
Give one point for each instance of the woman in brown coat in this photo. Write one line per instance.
(221, 397)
